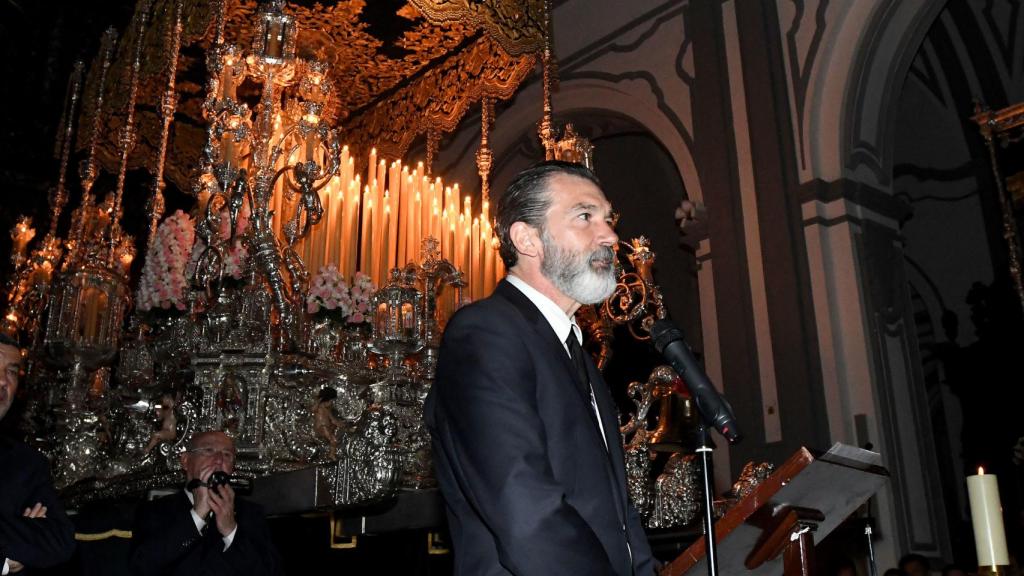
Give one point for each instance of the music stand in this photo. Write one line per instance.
(772, 530)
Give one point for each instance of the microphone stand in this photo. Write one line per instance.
(710, 546)
(872, 566)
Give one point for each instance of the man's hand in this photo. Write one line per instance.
(202, 493)
(37, 511)
(222, 501)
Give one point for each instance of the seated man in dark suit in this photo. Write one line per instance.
(34, 531)
(204, 530)
(526, 440)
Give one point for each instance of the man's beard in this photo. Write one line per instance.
(575, 274)
(5, 405)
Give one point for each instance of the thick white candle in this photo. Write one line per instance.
(987, 518)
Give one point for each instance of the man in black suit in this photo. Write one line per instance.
(526, 440)
(203, 530)
(34, 531)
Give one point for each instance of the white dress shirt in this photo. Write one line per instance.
(561, 324)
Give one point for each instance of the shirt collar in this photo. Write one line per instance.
(556, 317)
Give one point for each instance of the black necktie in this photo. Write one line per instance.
(576, 353)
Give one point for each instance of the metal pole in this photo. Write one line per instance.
(710, 547)
(872, 567)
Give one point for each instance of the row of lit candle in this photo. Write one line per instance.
(379, 223)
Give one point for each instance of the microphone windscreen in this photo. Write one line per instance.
(663, 333)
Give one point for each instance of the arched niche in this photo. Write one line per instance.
(846, 69)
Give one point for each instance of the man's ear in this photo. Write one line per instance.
(525, 239)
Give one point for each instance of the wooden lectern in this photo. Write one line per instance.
(772, 530)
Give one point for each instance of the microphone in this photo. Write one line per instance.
(668, 341)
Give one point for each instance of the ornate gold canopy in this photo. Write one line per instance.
(403, 68)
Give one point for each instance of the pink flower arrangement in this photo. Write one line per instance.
(362, 291)
(163, 284)
(331, 296)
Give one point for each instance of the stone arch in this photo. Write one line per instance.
(847, 126)
(578, 99)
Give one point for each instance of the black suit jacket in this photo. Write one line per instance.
(24, 481)
(528, 483)
(165, 541)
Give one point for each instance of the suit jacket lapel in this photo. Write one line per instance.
(543, 329)
(615, 466)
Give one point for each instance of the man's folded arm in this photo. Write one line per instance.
(39, 542)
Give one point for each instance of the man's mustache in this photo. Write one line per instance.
(603, 255)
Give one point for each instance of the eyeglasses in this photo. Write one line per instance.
(226, 455)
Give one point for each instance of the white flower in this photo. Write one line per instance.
(163, 283)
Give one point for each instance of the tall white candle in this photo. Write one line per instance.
(987, 518)
(476, 261)
(382, 185)
(352, 222)
(366, 235)
(371, 170)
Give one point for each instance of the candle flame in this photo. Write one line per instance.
(981, 471)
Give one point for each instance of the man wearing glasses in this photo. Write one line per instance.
(34, 531)
(203, 529)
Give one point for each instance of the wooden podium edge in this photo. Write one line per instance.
(739, 513)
